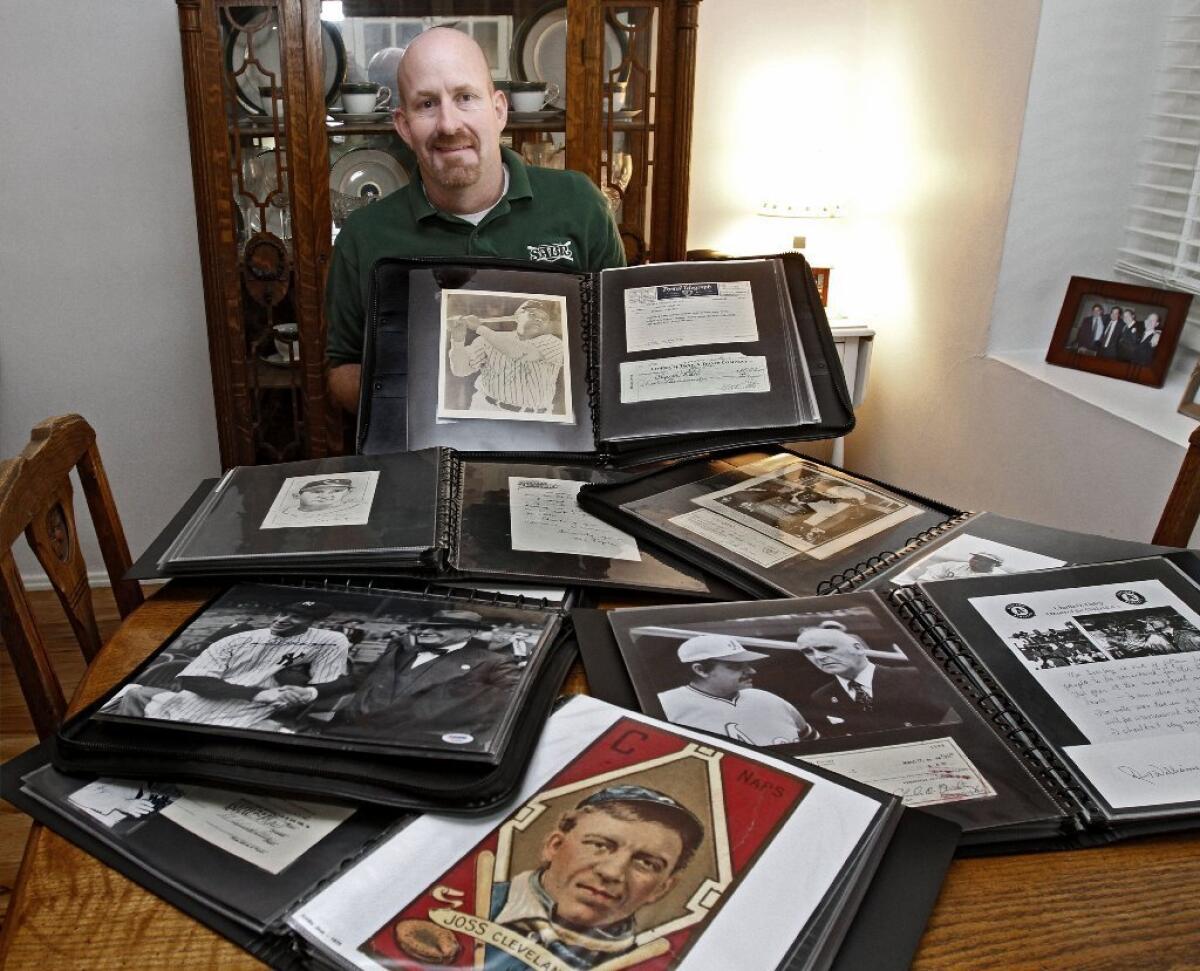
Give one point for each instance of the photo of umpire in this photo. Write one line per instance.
(504, 356)
(391, 670)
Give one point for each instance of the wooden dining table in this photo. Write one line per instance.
(1133, 904)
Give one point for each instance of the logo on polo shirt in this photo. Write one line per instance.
(551, 252)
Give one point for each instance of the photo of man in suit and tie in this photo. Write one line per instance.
(862, 696)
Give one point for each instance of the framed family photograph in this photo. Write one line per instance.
(504, 357)
(1119, 330)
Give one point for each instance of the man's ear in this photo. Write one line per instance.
(400, 123)
(551, 846)
(500, 106)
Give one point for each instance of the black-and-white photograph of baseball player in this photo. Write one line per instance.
(972, 556)
(787, 678)
(809, 508)
(504, 356)
(396, 671)
(323, 500)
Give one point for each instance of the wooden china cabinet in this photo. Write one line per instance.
(277, 163)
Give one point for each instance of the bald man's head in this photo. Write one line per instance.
(451, 116)
(442, 43)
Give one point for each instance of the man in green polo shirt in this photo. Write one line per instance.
(472, 198)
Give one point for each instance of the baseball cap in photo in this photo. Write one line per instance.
(715, 647)
(980, 555)
(314, 609)
(326, 484)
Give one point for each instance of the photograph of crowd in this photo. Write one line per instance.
(1109, 636)
(378, 669)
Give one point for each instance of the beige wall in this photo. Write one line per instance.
(930, 140)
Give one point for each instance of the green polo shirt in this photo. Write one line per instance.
(548, 216)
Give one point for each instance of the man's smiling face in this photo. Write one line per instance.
(450, 115)
(603, 869)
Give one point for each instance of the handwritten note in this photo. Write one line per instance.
(693, 376)
(544, 517)
(684, 314)
(1132, 698)
(921, 773)
(734, 537)
(1142, 772)
(267, 832)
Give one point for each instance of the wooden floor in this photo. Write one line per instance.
(16, 730)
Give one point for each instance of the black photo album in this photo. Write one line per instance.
(430, 514)
(626, 366)
(1042, 709)
(716, 830)
(409, 700)
(783, 524)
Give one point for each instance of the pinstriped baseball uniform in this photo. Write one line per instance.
(528, 381)
(252, 658)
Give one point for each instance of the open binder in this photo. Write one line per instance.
(268, 889)
(1039, 710)
(429, 513)
(641, 363)
(782, 524)
(369, 696)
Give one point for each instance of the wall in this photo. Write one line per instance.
(939, 106)
(102, 309)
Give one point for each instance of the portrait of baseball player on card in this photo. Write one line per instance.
(619, 861)
(504, 357)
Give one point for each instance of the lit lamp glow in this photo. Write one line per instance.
(818, 229)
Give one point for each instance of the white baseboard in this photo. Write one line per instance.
(39, 581)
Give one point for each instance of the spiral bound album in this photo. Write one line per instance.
(415, 700)
(1047, 709)
(624, 366)
(772, 523)
(307, 885)
(429, 514)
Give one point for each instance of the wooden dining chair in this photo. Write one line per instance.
(1179, 515)
(35, 499)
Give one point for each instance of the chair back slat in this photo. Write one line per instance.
(30, 659)
(1182, 509)
(36, 500)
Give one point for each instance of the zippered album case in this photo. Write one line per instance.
(624, 366)
(1047, 709)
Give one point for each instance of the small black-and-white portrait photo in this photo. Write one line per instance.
(504, 356)
(809, 508)
(304, 501)
(121, 805)
(375, 668)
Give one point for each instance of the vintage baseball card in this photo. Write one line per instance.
(504, 357)
(633, 845)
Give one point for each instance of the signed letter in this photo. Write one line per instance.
(1143, 772)
(545, 518)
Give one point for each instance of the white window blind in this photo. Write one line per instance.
(1162, 232)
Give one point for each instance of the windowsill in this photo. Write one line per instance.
(1153, 409)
